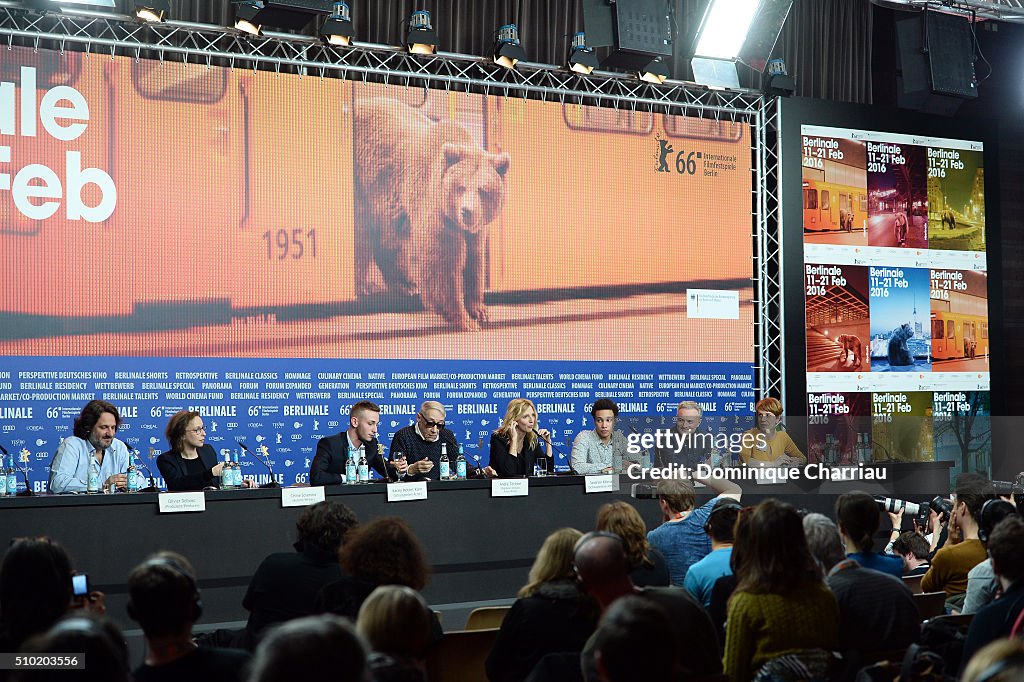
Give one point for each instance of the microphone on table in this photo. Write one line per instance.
(642, 449)
(27, 492)
(265, 462)
(550, 441)
(133, 454)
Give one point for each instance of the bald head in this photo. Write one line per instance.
(600, 559)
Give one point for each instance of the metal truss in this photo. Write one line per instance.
(769, 333)
(996, 10)
(116, 34)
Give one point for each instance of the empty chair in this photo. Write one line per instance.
(486, 617)
(930, 604)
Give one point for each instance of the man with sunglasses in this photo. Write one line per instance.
(421, 444)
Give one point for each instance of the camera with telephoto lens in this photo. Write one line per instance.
(941, 506)
(1008, 487)
(893, 505)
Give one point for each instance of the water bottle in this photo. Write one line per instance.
(3, 481)
(460, 466)
(227, 479)
(236, 472)
(133, 480)
(446, 469)
(364, 468)
(92, 485)
(351, 471)
(12, 477)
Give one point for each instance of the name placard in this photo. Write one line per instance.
(404, 492)
(302, 497)
(772, 475)
(172, 503)
(600, 483)
(510, 487)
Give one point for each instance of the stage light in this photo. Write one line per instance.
(152, 10)
(777, 81)
(581, 58)
(655, 73)
(724, 28)
(421, 38)
(246, 16)
(337, 30)
(508, 51)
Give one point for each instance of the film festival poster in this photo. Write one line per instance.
(835, 205)
(897, 195)
(839, 428)
(901, 426)
(956, 199)
(838, 329)
(900, 332)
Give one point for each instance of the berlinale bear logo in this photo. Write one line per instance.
(665, 148)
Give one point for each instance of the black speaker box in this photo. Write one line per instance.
(935, 62)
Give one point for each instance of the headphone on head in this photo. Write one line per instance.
(992, 512)
(176, 568)
(727, 503)
(999, 667)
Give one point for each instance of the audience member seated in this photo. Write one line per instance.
(601, 450)
(768, 445)
(321, 648)
(702, 576)
(858, 517)
(876, 610)
(981, 580)
(382, 552)
(622, 519)
(632, 625)
(286, 584)
(996, 620)
(726, 585)
(191, 463)
(603, 568)
(35, 590)
(781, 605)
(915, 552)
(164, 600)
(421, 443)
(398, 627)
(99, 642)
(963, 550)
(681, 537)
(551, 614)
(1000, 661)
(516, 445)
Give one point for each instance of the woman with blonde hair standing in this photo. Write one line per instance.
(516, 444)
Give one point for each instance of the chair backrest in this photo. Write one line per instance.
(486, 617)
(913, 583)
(461, 656)
(930, 604)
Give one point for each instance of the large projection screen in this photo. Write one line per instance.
(268, 249)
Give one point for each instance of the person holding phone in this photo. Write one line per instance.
(516, 444)
(190, 464)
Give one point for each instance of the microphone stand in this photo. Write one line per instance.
(265, 462)
(550, 441)
(133, 453)
(643, 450)
(27, 492)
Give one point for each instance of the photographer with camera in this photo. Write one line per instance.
(962, 550)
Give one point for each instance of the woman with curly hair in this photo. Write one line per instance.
(649, 566)
(382, 552)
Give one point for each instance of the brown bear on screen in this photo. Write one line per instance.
(425, 193)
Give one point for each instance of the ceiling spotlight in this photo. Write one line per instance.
(581, 58)
(656, 72)
(152, 10)
(337, 30)
(421, 38)
(508, 51)
(246, 19)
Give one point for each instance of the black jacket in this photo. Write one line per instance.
(175, 472)
(557, 617)
(328, 465)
